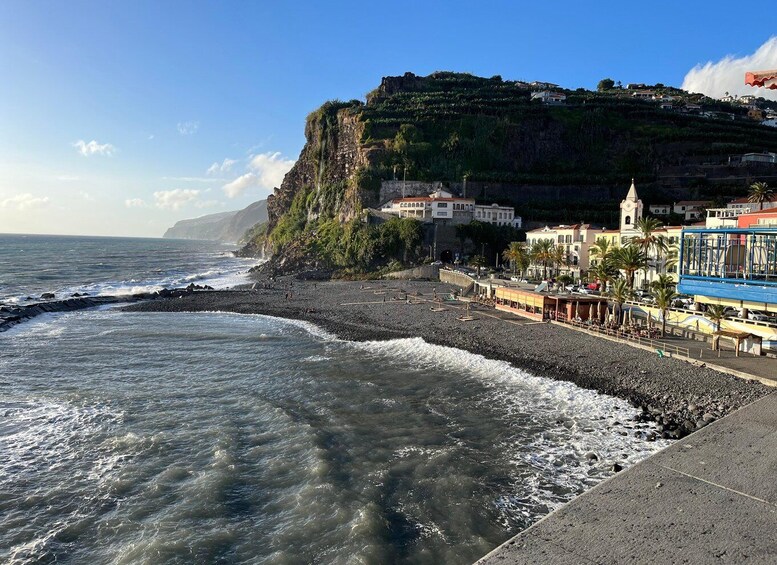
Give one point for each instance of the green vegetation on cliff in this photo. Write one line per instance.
(448, 126)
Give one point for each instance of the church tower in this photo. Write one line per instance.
(631, 211)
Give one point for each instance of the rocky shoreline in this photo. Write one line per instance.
(13, 314)
(679, 396)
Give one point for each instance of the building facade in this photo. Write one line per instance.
(440, 206)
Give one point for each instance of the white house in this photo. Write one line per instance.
(549, 97)
(660, 209)
(439, 206)
(691, 209)
(745, 204)
(495, 214)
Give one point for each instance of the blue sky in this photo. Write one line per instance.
(112, 113)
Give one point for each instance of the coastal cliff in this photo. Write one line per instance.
(227, 227)
(450, 126)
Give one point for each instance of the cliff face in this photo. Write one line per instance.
(227, 227)
(332, 155)
(448, 126)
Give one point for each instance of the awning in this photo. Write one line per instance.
(763, 79)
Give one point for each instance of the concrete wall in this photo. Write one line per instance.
(430, 272)
(457, 279)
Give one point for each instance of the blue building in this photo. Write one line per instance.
(731, 266)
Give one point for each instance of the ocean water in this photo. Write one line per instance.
(33, 264)
(226, 438)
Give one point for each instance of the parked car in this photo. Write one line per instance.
(758, 316)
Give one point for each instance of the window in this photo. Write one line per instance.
(442, 204)
(561, 239)
(627, 221)
(569, 239)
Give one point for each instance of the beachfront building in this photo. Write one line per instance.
(546, 306)
(574, 240)
(439, 207)
(734, 267)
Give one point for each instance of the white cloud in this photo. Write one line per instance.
(223, 167)
(94, 148)
(150, 137)
(135, 203)
(191, 179)
(728, 75)
(86, 196)
(67, 178)
(188, 128)
(266, 171)
(240, 185)
(175, 199)
(25, 201)
(270, 168)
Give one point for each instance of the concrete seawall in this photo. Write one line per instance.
(709, 498)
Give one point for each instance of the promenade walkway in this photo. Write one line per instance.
(709, 498)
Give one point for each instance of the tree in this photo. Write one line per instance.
(601, 249)
(518, 255)
(715, 312)
(630, 259)
(605, 272)
(605, 84)
(759, 193)
(664, 298)
(478, 261)
(620, 293)
(559, 257)
(648, 240)
(663, 282)
(542, 253)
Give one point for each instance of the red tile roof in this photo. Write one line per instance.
(764, 79)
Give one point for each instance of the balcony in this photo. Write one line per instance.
(730, 263)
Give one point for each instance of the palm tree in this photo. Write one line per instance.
(664, 298)
(620, 292)
(601, 249)
(559, 257)
(663, 282)
(518, 255)
(760, 192)
(715, 312)
(542, 253)
(630, 259)
(478, 261)
(605, 272)
(647, 238)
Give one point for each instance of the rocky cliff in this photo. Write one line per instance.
(228, 227)
(448, 126)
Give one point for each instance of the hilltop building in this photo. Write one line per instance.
(442, 207)
(745, 204)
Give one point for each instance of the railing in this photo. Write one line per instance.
(628, 335)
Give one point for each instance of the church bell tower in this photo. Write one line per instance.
(631, 211)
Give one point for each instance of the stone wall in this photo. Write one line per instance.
(425, 272)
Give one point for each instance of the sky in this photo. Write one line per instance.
(123, 117)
